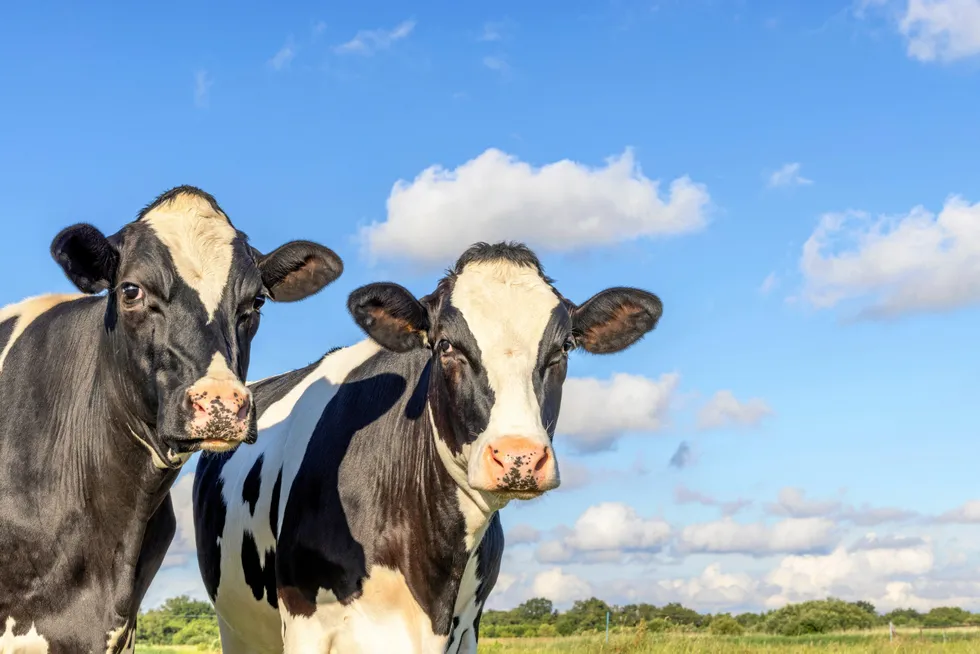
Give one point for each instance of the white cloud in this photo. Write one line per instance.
(896, 265)
(793, 503)
(522, 534)
(492, 31)
(367, 42)
(769, 283)
(604, 533)
(712, 588)
(562, 206)
(865, 572)
(788, 175)
(724, 410)
(285, 55)
(725, 536)
(596, 412)
(943, 30)
(968, 513)
(183, 546)
(684, 495)
(560, 587)
(202, 89)
(498, 64)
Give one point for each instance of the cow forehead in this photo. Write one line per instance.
(506, 307)
(200, 240)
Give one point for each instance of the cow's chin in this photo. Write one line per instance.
(524, 495)
(217, 445)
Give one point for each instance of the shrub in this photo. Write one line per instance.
(725, 625)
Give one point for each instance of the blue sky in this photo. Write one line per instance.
(797, 181)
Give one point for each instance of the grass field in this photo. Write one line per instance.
(958, 641)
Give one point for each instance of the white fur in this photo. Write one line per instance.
(28, 310)
(199, 240)
(508, 342)
(30, 643)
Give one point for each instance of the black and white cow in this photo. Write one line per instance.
(103, 396)
(365, 518)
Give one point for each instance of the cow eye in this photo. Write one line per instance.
(258, 302)
(567, 346)
(444, 346)
(131, 293)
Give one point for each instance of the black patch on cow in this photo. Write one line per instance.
(6, 329)
(209, 517)
(252, 565)
(274, 505)
(489, 555)
(269, 573)
(253, 485)
(452, 632)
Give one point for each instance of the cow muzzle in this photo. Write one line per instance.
(221, 414)
(514, 465)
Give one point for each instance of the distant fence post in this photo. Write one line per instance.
(891, 630)
(607, 626)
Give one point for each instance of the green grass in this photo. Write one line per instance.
(957, 641)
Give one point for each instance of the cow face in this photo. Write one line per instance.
(184, 294)
(500, 336)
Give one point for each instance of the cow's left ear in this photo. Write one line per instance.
(298, 269)
(390, 315)
(88, 258)
(613, 319)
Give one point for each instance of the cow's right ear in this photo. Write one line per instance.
(88, 258)
(390, 315)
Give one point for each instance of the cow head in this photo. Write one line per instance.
(500, 336)
(184, 293)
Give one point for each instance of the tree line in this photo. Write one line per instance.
(183, 621)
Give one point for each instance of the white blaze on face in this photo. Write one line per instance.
(507, 308)
(200, 242)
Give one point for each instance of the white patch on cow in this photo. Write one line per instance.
(199, 240)
(177, 459)
(29, 643)
(464, 634)
(112, 640)
(28, 310)
(386, 618)
(507, 308)
(285, 428)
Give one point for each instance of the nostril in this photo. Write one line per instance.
(243, 411)
(542, 461)
(492, 455)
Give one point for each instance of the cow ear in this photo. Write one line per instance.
(298, 269)
(614, 319)
(390, 315)
(88, 258)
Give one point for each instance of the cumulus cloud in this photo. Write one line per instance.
(712, 589)
(788, 175)
(724, 410)
(604, 533)
(725, 536)
(561, 206)
(596, 412)
(918, 262)
(944, 30)
(522, 534)
(560, 587)
(968, 513)
(285, 55)
(368, 42)
(684, 495)
(866, 572)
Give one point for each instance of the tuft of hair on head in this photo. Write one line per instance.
(184, 189)
(512, 252)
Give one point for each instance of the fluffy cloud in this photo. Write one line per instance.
(285, 55)
(562, 206)
(367, 42)
(866, 571)
(522, 534)
(596, 412)
(944, 30)
(896, 265)
(969, 513)
(560, 587)
(712, 589)
(684, 495)
(794, 535)
(724, 410)
(788, 175)
(793, 502)
(605, 532)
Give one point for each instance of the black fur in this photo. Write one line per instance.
(390, 314)
(299, 269)
(253, 485)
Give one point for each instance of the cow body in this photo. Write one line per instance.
(366, 516)
(103, 397)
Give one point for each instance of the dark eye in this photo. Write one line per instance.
(131, 292)
(444, 346)
(567, 346)
(258, 302)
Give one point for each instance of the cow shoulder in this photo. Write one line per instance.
(16, 318)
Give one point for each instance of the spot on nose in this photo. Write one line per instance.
(213, 399)
(517, 463)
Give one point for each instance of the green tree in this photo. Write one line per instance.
(725, 625)
(535, 611)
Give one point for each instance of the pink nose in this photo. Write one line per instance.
(516, 463)
(221, 409)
